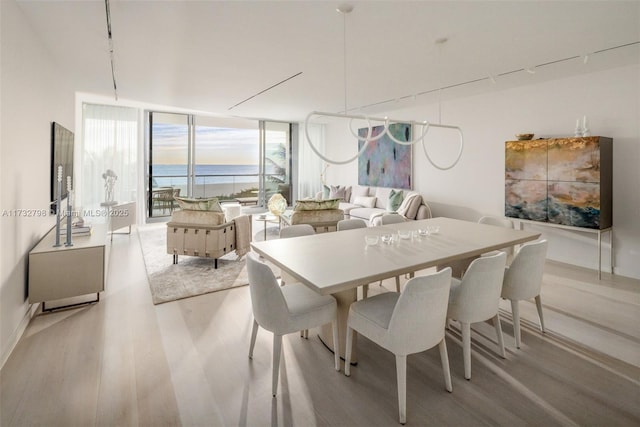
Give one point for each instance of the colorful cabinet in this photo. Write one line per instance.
(566, 181)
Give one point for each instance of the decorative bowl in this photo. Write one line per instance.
(423, 232)
(524, 136)
(386, 238)
(433, 229)
(371, 240)
(404, 234)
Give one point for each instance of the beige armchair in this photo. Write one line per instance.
(200, 233)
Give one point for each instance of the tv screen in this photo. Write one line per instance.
(61, 155)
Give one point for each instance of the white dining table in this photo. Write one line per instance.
(336, 263)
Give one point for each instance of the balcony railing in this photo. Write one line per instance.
(224, 187)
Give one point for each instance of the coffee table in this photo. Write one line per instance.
(265, 218)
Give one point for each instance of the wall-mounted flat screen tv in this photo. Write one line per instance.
(61, 155)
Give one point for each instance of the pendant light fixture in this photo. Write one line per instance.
(345, 9)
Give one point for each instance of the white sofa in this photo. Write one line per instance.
(370, 203)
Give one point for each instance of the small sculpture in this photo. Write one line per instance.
(277, 204)
(110, 179)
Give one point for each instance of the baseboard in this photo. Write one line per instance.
(17, 334)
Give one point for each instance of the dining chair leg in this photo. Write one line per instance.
(401, 371)
(515, 313)
(496, 324)
(254, 334)
(347, 352)
(398, 284)
(444, 358)
(336, 343)
(277, 349)
(539, 307)
(466, 348)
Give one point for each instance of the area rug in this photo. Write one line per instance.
(192, 276)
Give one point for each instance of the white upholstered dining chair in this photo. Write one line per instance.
(459, 267)
(295, 230)
(284, 310)
(387, 219)
(523, 281)
(500, 222)
(350, 224)
(405, 323)
(353, 224)
(476, 298)
(392, 218)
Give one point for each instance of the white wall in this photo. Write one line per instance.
(611, 101)
(32, 95)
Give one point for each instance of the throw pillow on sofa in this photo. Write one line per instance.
(358, 191)
(339, 192)
(209, 204)
(325, 191)
(365, 201)
(395, 200)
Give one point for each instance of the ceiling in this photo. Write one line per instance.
(211, 55)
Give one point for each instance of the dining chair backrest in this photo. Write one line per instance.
(523, 278)
(478, 297)
(392, 219)
(296, 231)
(269, 306)
(500, 222)
(497, 221)
(418, 319)
(350, 224)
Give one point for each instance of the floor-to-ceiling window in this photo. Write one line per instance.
(231, 159)
(276, 158)
(226, 160)
(169, 161)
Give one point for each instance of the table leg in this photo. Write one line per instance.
(344, 299)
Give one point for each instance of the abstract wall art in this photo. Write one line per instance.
(385, 163)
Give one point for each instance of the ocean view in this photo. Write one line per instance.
(210, 180)
(175, 175)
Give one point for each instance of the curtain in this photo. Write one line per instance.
(311, 167)
(109, 143)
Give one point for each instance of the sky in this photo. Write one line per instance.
(217, 146)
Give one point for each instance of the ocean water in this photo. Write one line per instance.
(175, 175)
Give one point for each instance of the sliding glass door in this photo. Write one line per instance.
(232, 159)
(169, 161)
(276, 160)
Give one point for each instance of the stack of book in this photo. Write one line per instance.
(77, 229)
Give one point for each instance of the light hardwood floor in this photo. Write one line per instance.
(126, 362)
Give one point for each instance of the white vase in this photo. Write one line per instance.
(585, 127)
(578, 130)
